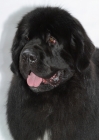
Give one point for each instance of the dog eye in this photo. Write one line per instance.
(52, 40)
(27, 38)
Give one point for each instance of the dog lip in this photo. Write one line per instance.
(53, 80)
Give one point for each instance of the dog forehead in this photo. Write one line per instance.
(54, 19)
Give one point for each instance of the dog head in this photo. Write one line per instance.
(49, 46)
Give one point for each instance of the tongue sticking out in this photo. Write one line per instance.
(33, 80)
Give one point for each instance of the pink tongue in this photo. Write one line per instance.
(33, 80)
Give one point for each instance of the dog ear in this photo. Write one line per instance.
(15, 50)
(13, 68)
(18, 44)
(82, 47)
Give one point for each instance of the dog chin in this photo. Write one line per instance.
(42, 88)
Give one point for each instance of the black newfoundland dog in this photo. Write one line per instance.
(54, 93)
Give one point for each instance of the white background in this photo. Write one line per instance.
(11, 11)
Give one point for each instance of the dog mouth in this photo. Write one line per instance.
(35, 81)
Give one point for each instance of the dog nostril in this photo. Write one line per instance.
(28, 56)
(32, 58)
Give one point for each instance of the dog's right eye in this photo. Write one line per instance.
(27, 38)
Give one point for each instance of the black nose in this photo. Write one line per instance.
(28, 55)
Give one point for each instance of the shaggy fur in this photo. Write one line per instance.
(63, 110)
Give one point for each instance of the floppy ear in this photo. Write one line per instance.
(82, 47)
(15, 57)
(13, 68)
(15, 50)
(18, 43)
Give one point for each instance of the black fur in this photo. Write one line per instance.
(69, 111)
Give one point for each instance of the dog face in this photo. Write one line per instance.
(49, 47)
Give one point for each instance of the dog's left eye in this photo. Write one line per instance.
(52, 40)
(27, 38)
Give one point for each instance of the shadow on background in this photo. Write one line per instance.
(8, 33)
